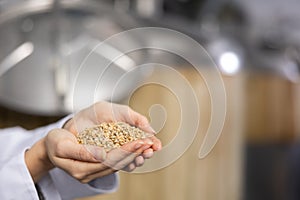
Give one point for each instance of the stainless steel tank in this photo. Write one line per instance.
(43, 44)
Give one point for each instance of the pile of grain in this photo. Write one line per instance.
(110, 135)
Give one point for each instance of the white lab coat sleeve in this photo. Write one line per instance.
(15, 179)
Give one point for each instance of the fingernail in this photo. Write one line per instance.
(149, 154)
(97, 152)
(150, 142)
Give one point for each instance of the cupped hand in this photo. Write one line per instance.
(109, 112)
(86, 163)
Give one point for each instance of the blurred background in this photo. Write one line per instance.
(255, 44)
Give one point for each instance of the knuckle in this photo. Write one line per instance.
(75, 172)
(78, 175)
(130, 168)
(81, 154)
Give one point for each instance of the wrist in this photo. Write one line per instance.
(37, 160)
(43, 156)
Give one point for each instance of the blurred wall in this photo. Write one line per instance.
(219, 175)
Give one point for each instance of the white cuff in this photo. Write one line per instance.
(16, 181)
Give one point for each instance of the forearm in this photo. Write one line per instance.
(37, 160)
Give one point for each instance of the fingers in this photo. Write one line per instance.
(140, 121)
(135, 161)
(84, 171)
(127, 162)
(139, 161)
(79, 169)
(129, 156)
(129, 168)
(156, 143)
(97, 152)
(77, 152)
(121, 157)
(69, 148)
(148, 153)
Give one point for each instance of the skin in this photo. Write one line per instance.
(59, 148)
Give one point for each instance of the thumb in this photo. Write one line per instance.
(141, 122)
